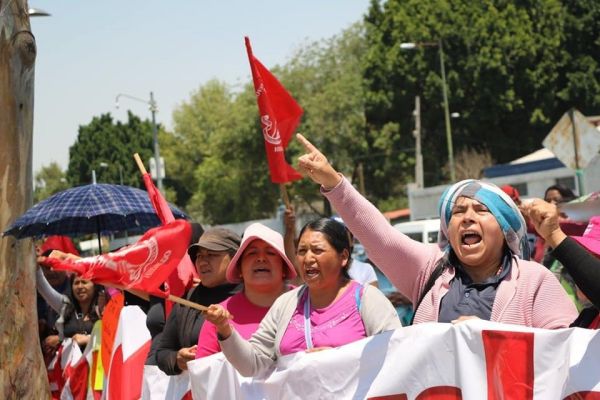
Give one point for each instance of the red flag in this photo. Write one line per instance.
(143, 266)
(62, 243)
(158, 201)
(184, 275)
(279, 117)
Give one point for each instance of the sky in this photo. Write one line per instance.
(88, 52)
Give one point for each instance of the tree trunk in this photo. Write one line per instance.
(22, 371)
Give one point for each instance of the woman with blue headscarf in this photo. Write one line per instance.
(480, 267)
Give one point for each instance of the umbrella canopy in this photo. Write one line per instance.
(89, 209)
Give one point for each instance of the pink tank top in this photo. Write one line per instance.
(335, 325)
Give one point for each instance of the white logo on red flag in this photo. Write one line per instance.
(270, 131)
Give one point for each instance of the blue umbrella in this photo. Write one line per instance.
(86, 209)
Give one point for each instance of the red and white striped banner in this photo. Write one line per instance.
(471, 360)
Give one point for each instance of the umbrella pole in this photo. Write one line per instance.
(99, 239)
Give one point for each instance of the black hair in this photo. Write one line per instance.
(197, 231)
(95, 312)
(335, 234)
(566, 193)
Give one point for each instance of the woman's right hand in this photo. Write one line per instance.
(316, 166)
(220, 317)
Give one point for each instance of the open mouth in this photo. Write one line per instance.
(470, 238)
(311, 272)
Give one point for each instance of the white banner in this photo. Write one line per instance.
(472, 360)
(160, 386)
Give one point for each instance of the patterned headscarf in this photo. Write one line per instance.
(500, 205)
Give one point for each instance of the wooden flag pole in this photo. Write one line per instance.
(284, 195)
(146, 296)
(139, 163)
(187, 303)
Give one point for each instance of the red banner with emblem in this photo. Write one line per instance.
(279, 116)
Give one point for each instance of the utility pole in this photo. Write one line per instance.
(417, 134)
(153, 110)
(447, 115)
(361, 179)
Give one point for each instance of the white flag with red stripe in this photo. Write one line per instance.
(76, 373)
(130, 349)
(471, 360)
(59, 366)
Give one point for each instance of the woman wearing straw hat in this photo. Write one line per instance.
(329, 310)
(262, 266)
(478, 269)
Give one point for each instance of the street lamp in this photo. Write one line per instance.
(153, 109)
(439, 45)
(37, 12)
(105, 165)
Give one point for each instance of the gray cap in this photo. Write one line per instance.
(216, 239)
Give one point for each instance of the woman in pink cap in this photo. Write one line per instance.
(262, 266)
(329, 310)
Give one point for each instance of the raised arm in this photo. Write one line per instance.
(583, 266)
(52, 297)
(404, 261)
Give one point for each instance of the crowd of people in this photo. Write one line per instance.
(269, 295)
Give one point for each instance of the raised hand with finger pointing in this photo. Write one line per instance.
(314, 164)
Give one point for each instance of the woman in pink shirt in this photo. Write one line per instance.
(480, 267)
(261, 264)
(329, 310)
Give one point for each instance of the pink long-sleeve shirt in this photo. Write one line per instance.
(529, 295)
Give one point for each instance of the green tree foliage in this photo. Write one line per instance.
(217, 156)
(579, 75)
(503, 61)
(326, 79)
(217, 149)
(50, 179)
(107, 147)
(196, 121)
(513, 68)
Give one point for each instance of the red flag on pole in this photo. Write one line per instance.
(182, 278)
(143, 266)
(279, 117)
